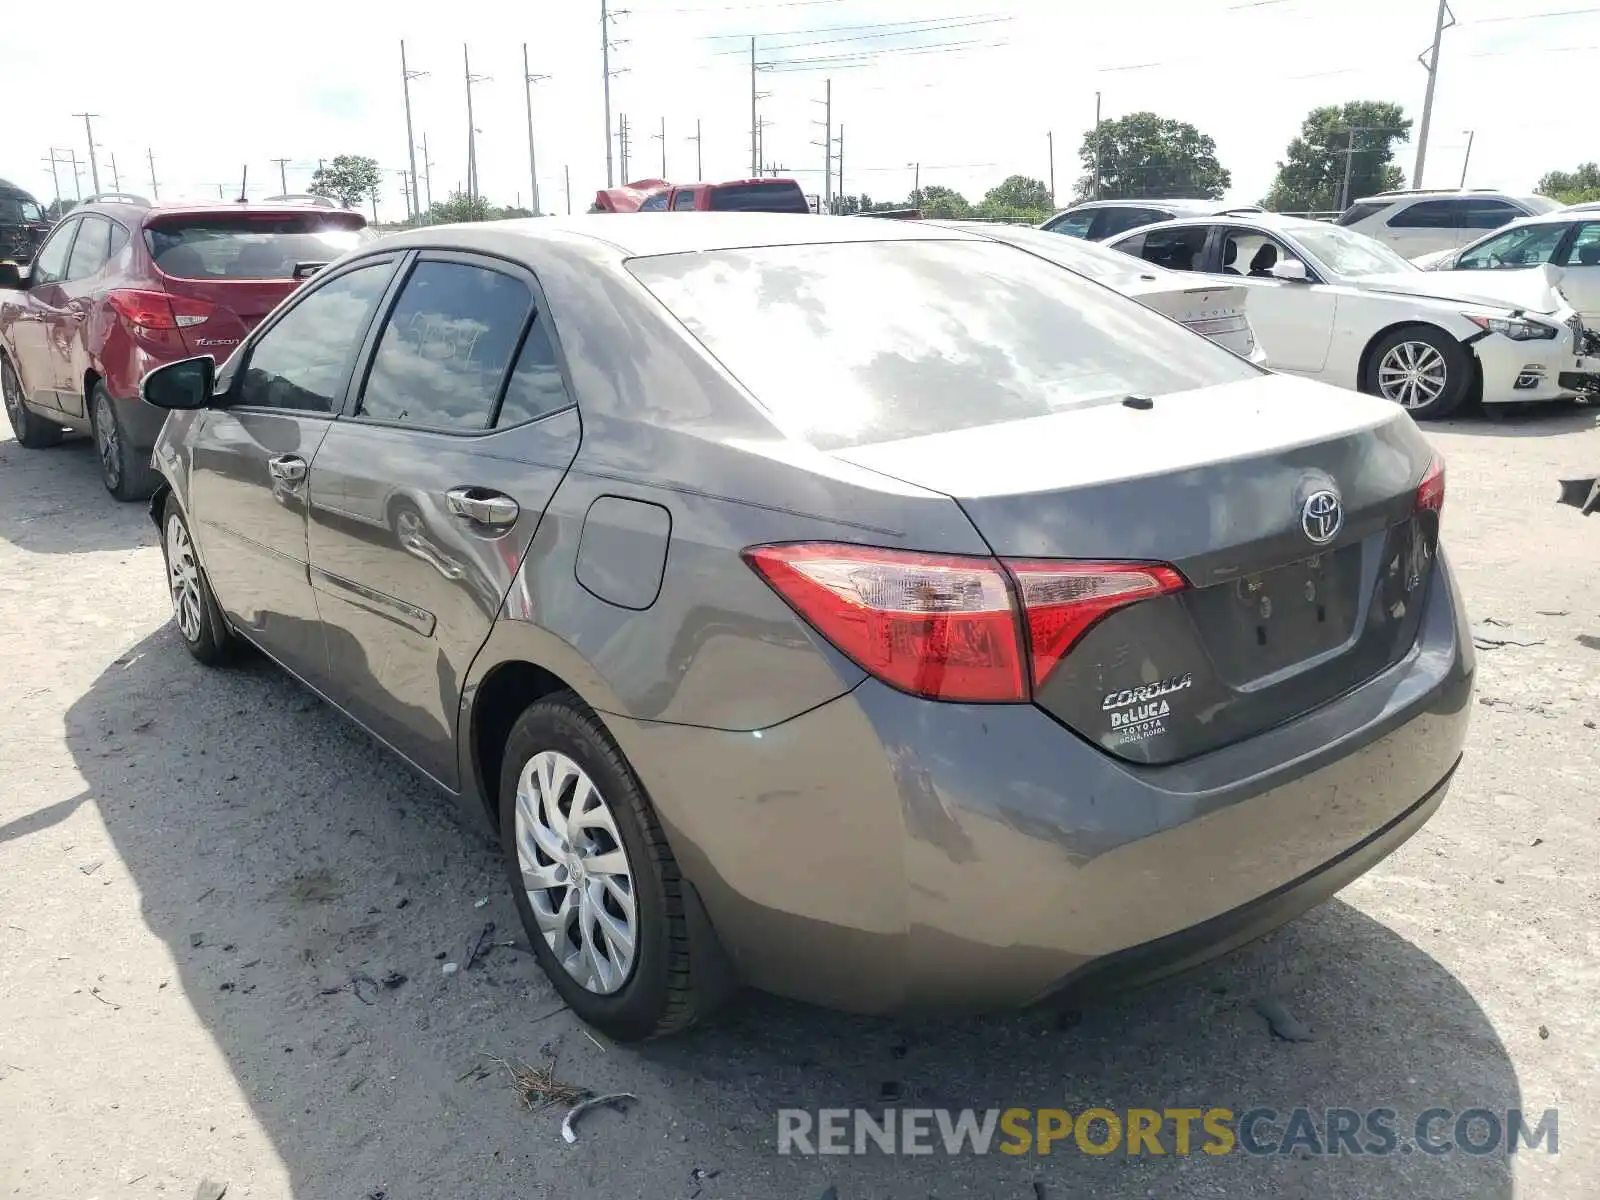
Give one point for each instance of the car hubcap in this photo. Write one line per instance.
(105, 436)
(12, 394)
(576, 872)
(1412, 374)
(183, 574)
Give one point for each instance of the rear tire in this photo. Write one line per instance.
(560, 759)
(194, 608)
(1422, 369)
(32, 431)
(126, 473)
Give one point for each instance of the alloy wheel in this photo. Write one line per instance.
(183, 575)
(1412, 374)
(105, 439)
(576, 872)
(11, 392)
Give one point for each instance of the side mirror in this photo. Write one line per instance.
(188, 384)
(10, 277)
(1290, 270)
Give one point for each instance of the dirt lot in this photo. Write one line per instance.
(191, 863)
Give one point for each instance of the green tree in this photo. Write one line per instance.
(1143, 155)
(348, 178)
(460, 207)
(1018, 192)
(1312, 176)
(944, 202)
(1572, 187)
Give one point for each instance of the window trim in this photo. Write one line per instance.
(369, 349)
(69, 226)
(239, 362)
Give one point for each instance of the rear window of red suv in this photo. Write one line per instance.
(249, 246)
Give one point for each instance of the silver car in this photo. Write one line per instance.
(870, 612)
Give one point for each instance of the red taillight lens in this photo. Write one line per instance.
(157, 310)
(1063, 599)
(1430, 493)
(945, 626)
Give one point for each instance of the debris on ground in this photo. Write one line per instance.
(357, 982)
(1282, 1022)
(1544, 1033)
(538, 1087)
(479, 946)
(89, 868)
(196, 940)
(393, 980)
(95, 992)
(613, 1100)
(450, 968)
(1485, 636)
(698, 1176)
(478, 1071)
(210, 1189)
(483, 902)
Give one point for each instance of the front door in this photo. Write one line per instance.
(426, 495)
(1293, 321)
(33, 329)
(252, 459)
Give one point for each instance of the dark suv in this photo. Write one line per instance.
(121, 286)
(23, 224)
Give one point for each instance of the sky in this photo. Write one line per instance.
(972, 90)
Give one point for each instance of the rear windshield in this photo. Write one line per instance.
(1361, 211)
(853, 343)
(250, 247)
(759, 197)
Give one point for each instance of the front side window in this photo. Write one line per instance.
(1526, 247)
(91, 250)
(50, 264)
(1073, 224)
(1585, 248)
(446, 347)
(302, 362)
(1428, 214)
(851, 343)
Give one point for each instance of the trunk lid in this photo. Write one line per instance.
(234, 266)
(1217, 483)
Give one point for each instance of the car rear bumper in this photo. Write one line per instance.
(885, 853)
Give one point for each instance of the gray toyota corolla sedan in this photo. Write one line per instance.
(872, 613)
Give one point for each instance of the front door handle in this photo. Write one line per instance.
(482, 506)
(287, 468)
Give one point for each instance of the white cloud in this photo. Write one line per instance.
(306, 80)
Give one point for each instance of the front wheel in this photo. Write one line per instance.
(1422, 369)
(32, 431)
(594, 880)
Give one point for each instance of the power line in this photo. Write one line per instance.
(865, 29)
(873, 36)
(1538, 16)
(865, 58)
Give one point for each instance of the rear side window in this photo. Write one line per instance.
(1174, 249)
(759, 197)
(446, 347)
(847, 344)
(243, 246)
(1360, 212)
(1112, 221)
(1488, 214)
(91, 250)
(1073, 224)
(683, 201)
(536, 388)
(1428, 214)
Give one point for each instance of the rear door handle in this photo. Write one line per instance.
(287, 468)
(483, 507)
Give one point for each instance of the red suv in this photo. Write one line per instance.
(122, 286)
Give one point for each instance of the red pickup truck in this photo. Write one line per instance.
(738, 195)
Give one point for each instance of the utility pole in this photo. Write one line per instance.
(1430, 62)
(755, 125)
(406, 76)
(662, 138)
(427, 179)
(405, 191)
(825, 201)
(622, 144)
(283, 175)
(916, 184)
(94, 166)
(472, 128)
(699, 171)
(374, 206)
(77, 173)
(1096, 193)
(155, 188)
(606, 46)
(841, 165)
(1050, 138)
(528, 80)
(55, 179)
(1471, 134)
(567, 171)
(116, 180)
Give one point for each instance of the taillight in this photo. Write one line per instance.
(1063, 599)
(1430, 492)
(157, 310)
(946, 626)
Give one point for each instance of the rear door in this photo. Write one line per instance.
(1294, 322)
(99, 241)
(233, 268)
(36, 328)
(251, 462)
(1579, 260)
(426, 495)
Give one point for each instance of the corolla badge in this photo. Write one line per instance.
(1322, 516)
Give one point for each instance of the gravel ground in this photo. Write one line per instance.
(195, 866)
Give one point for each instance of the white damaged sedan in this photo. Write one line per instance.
(1338, 306)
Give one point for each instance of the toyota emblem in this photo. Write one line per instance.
(1322, 516)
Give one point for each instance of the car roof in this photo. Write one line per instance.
(644, 235)
(130, 212)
